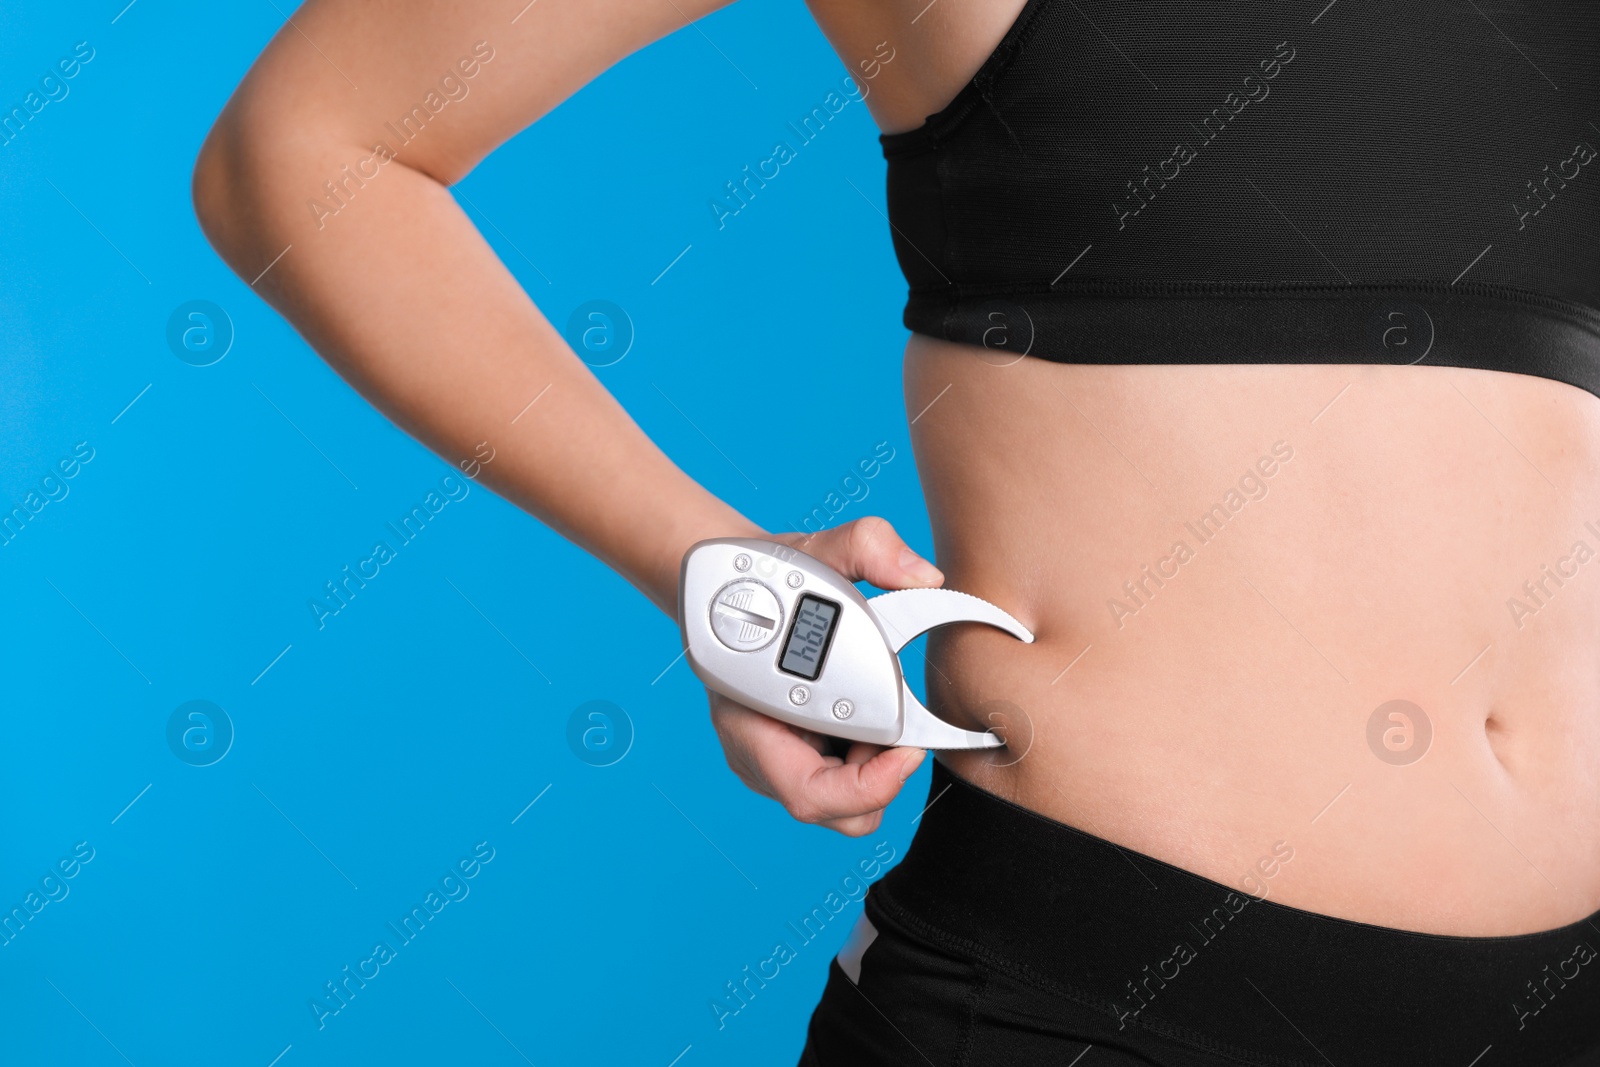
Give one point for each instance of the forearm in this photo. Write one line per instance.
(404, 298)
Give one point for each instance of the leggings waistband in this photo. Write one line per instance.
(1153, 949)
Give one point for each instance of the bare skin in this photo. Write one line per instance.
(1227, 713)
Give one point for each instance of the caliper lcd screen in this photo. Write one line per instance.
(809, 636)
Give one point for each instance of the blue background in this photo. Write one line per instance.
(373, 754)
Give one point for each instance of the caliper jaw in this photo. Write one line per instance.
(908, 613)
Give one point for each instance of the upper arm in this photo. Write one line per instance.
(470, 74)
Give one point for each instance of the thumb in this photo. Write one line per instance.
(868, 549)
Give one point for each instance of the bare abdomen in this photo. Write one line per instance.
(1348, 615)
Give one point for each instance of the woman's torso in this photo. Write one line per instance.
(1233, 570)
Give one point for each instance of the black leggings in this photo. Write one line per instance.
(1008, 938)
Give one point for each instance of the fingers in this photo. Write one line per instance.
(812, 791)
(860, 825)
(869, 549)
(783, 763)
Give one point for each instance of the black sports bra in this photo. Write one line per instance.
(1302, 181)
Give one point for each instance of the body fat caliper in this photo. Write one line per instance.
(787, 635)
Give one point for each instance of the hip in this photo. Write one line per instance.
(1004, 937)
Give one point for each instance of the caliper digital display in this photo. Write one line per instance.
(809, 635)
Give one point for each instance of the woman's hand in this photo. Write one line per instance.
(793, 766)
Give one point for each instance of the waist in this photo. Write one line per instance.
(1354, 608)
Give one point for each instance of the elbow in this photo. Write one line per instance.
(222, 192)
(210, 187)
(251, 160)
(258, 180)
